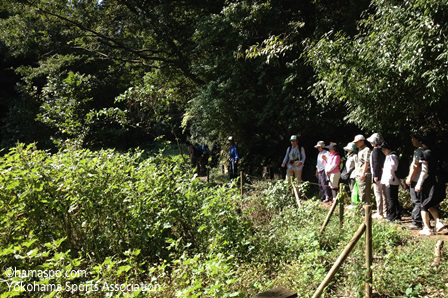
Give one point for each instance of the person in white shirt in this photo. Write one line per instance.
(324, 188)
(391, 182)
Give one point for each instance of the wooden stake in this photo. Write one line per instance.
(296, 194)
(330, 213)
(438, 254)
(208, 174)
(241, 182)
(348, 248)
(369, 255)
(341, 204)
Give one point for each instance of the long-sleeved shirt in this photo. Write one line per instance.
(320, 165)
(233, 154)
(292, 153)
(390, 167)
(333, 163)
(350, 165)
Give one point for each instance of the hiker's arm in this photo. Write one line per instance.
(423, 175)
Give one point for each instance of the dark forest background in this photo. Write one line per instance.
(128, 73)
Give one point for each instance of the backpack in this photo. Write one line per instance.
(299, 151)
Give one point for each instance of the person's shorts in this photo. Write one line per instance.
(432, 195)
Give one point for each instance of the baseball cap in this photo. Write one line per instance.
(359, 138)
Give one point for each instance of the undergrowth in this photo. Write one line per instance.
(129, 219)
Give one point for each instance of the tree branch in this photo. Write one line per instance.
(108, 40)
(108, 57)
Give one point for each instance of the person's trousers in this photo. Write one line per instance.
(324, 188)
(393, 210)
(294, 171)
(380, 196)
(351, 183)
(364, 189)
(416, 198)
(233, 170)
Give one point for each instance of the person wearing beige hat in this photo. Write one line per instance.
(322, 179)
(377, 159)
(362, 169)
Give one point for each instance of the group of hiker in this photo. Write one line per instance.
(381, 167)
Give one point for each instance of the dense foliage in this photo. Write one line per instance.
(163, 68)
(392, 74)
(135, 219)
(81, 76)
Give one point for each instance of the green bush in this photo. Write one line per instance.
(133, 219)
(105, 203)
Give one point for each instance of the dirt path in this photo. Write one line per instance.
(406, 221)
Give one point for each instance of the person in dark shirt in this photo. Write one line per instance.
(411, 181)
(233, 158)
(376, 166)
(431, 186)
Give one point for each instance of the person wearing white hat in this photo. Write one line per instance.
(377, 158)
(322, 179)
(362, 169)
(294, 159)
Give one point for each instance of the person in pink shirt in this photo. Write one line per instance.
(332, 169)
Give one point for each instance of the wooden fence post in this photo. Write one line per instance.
(348, 248)
(341, 204)
(208, 174)
(330, 213)
(296, 194)
(369, 255)
(241, 182)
